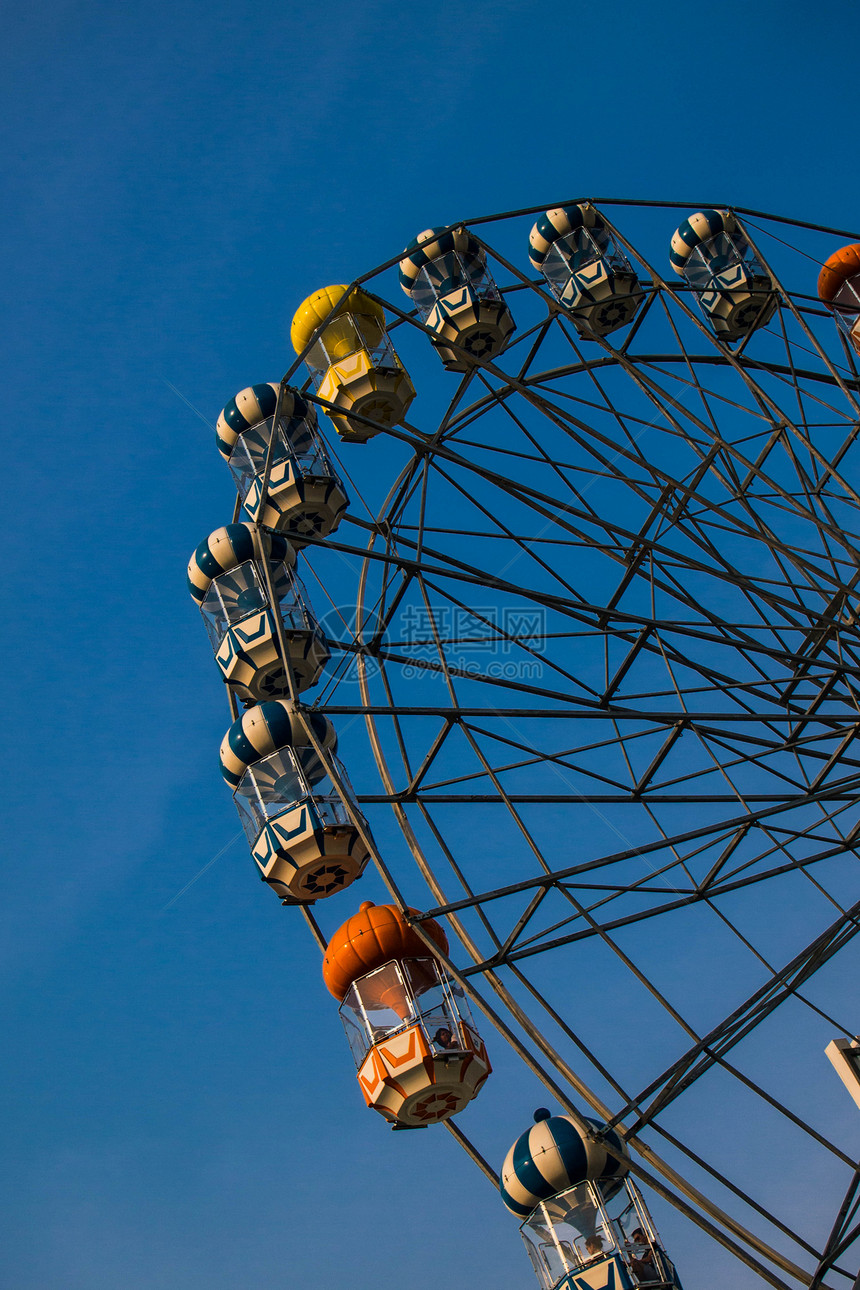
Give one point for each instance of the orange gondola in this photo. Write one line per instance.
(419, 1057)
(839, 287)
(838, 268)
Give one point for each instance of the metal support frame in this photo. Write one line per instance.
(777, 748)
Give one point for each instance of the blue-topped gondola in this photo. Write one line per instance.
(735, 292)
(227, 579)
(304, 496)
(445, 273)
(586, 1225)
(585, 268)
(302, 836)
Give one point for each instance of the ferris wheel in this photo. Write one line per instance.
(605, 648)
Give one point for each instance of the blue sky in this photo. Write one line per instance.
(179, 1104)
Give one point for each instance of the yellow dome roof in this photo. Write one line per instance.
(322, 304)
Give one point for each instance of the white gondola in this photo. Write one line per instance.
(302, 837)
(734, 291)
(304, 496)
(446, 275)
(586, 1225)
(227, 579)
(585, 268)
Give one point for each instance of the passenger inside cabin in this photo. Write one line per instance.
(594, 1248)
(444, 1039)
(641, 1256)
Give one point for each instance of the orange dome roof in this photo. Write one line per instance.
(837, 268)
(373, 936)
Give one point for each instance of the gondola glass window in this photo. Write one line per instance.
(399, 995)
(615, 1240)
(281, 784)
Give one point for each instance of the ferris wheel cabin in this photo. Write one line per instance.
(227, 579)
(585, 268)
(586, 1224)
(735, 292)
(352, 363)
(303, 838)
(419, 1058)
(446, 275)
(304, 496)
(839, 287)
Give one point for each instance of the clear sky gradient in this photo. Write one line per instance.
(178, 1101)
